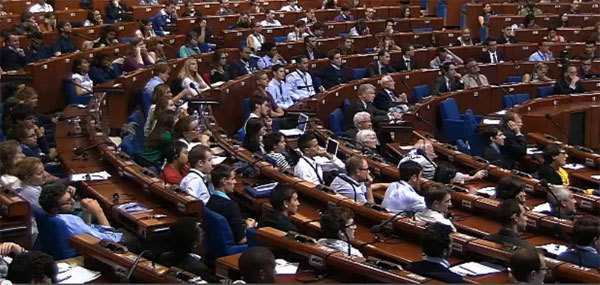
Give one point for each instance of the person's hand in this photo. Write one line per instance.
(53, 153)
(250, 223)
(144, 50)
(403, 97)
(182, 112)
(369, 179)
(480, 174)
(204, 139)
(71, 190)
(91, 206)
(20, 52)
(10, 247)
(514, 127)
(574, 78)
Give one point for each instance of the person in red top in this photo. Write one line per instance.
(177, 163)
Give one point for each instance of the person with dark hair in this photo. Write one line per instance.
(338, 227)
(586, 236)
(402, 195)
(570, 83)
(444, 173)
(381, 66)
(507, 35)
(101, 70)
(138, 57)
(449, 81)
(165, 17)
(270, 20)
(190, 48)
(437, 246)
(590, 50)
(285, 203)
(256, 39)
(299, 32)
(407, 61)
(177, 163)
(108, 37)
(345, 14)
(160, 138)
(30, 143)
(145, 31)
(223, 179)
(82, 82)
(586, 71)
(218, 72)
(347, 46)
(32, 267)
(553, 36)
(310, 47)
(224, 8)
(260, 106)
(360, 28)
(333, 73)
(196, 182)
(491, 54)
(94, 18)
(528, 266)
(444, 55)
(187, 131)
(291, 6)
(28, 24)
(279, 88)
(243, 65)
(551, 169)
(12, 56)
(35, 52)
(543, 53)
(438, 202)
(255, 130)
(243, 21)
(510, 187)
(257, 265)
(115, 11)
(318, 30)
(314, 160)
(272, 56)
(515, 145)
(300, 80)
(494, 139)
(275, 149)
(511, 215)
(185, 240)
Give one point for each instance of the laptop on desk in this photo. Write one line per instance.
(300, 127)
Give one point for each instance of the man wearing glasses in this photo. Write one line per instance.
(358, 183)
(527, 265)
(570, 83)
(337, 224)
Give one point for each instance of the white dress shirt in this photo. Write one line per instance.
(400, 196)
(274, 23)
(301, 84)
(431, 216)
(37, 8)
(311, 169)
(345, 185)
(194, 183)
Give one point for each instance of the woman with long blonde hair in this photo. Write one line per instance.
(190, 77)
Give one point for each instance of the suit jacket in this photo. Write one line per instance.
(514, 148)
(440, 87)
(331, 76)
(487, 58)
(10, 59)
(435, 271)
(562, 87)
(317, 54)
(278, 221)
(510, 40)
(231, 211)
(238, 68)
(547, 172)
(507, 236)
(373, 69)
(496, 158)
(401, 64)
(384, 102)
(356, 106)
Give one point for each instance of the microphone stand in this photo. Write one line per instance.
(557, 125)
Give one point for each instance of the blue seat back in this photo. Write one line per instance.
(204, 47)
(343, 35)
(369, 50)
(241, 134)
(508, 101)
(146, 103)
(463, 146)
(441, 9)
(514, 79)
(125, 40)
(449, 109)
(280, 39)
(243, 43)
(71, 96)
(545, 91)
(421, 91)
(521, 98)
(422, 29)
(53, 237)
(246, 108)
(346, 104)
(359, 73)
(251, 236)
(220, 240)
(336, 122)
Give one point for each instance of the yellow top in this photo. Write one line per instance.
(564, 176)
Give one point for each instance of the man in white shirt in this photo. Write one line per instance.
(438, 201)
(300, 81)
(292, 6)
(358, 183)
(402, 196)
(196, 182)
(299, 32)
(270, 20)
(41, 7)
(314, 160)
(338, 227)
(279, 88)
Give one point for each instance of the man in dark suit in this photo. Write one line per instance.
(492, 55)
(388, 99)
(449, 81)
(507, 37)
(436, 247)
(243, 65)
(366, 95)
(511, 214)
(381, 66)
(492, 153)
(310, 50)
(223, 179)
(407, 61)
(586, 70)
(334, 73)
(515, 146)
(570, 83)
(12, 57)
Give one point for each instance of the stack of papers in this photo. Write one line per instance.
(541, 208)
(491, 122)
(597, 177)
(487, 192)
(68, 274)
(216, 160)
(92, 176)
(476, 269)
(133, 208)
(501, 112)
(534, 150)
(574, 166)
(284, 267)
(553, 249)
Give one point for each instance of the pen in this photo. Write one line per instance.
(63, 279)
(468, 270)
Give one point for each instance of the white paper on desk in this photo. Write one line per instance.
(284, 267)
(574, 166)
(487, 191)
(217, 150)
(92, 176)
(541, 208)
(597, 177)
(533, 150)
(553, 248)
(77, 275)
(406, 147)
(501, 112)
(476, 269)
(216, 160)
(491, 122)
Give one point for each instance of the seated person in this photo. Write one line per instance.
(438, 202)
(444, 55)
(562, 203)
(187, 131)
(528, 266)
(570, 83)
(115, 11)
(190, 77)
(12, 56)
(257, 265)
(337, 226)
(196, 181)
(492, 55)
(64, 43)
(543, 53)
(381, 66)
(10, 153)
(243, 65)
(300, 81)
(445, 173)
(367, 142)
(511, 215)
(190, 47)
(334, 73)
(493, 150)
(185, 238)
(436, 243)
(30, 171)
(586, 70)
(402, 196)
(81, 80)
(449, 81)
(540, 73)
(94, 18)
(423, 153)
(253, 140)
(177, 163)
(310, 48)
(35, 51)
(284, 201)
(165, 17)
(388, 99)
(345, 14)
(361, 121)
(586, 235)
(224, 8)
(32, 267)
(138, 56)
(58, 202)
(279, 88)
(275, 149)
(507, 35)
(510, 187)
(262, 102)
(223, 179)
(474, 78)
(270, 20)
(347, 47)
(28, 138)
(464, 39)
(366, 96)
(407, 61)
(299, 32)
(218, 70)
(551, 170)
(553, 36)
(259, 109)
(272, 56)
(515, 145)
(160, 138)
(356, 185)
(314, 160)
(101, 70)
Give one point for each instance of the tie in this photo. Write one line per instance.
(407, 64)
(281, 90)
(380, 69)
(495, 60)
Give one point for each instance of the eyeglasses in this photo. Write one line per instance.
(353, 225)
(364, 169)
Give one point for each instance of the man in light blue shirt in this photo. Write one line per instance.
(196, 183)
(402, 196)
(300, 81)
(272, 56)
(279, 89)
(543, 53)
(161, 75)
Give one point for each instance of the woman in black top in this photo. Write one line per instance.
(255, 130)
(217, 71)
(551, 170)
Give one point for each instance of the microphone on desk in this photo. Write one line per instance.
(135, 264)
(377, 228)
(556, 124)
(79, 151)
